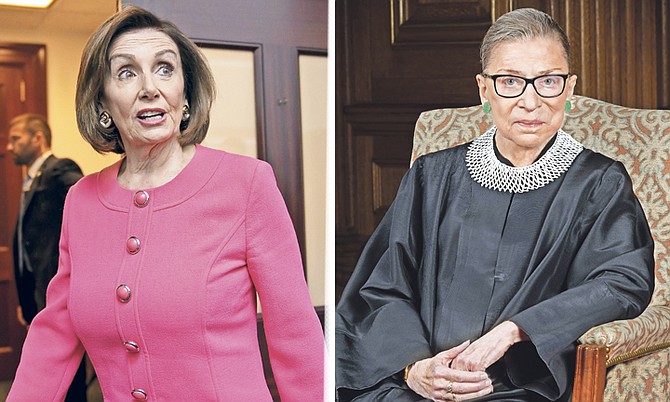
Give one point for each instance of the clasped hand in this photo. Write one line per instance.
(458, 374)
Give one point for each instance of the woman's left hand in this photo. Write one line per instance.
(488, 349)
(433, 379)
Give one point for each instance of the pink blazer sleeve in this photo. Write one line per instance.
(52, 352)
(294, 335)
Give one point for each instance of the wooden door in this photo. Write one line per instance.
(22, 89)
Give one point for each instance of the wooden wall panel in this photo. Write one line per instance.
(663, 52)
(386, 177)
(617, 49)
(396, 58)
(425, 22)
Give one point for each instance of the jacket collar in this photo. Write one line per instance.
(185, 185)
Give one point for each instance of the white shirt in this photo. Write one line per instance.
(34, 169)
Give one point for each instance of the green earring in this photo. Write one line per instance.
(568, 106)
(486, 107)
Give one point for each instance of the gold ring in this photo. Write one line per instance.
(450, 388)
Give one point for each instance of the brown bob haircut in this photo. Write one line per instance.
(199, 86)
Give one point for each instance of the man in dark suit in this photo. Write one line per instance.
(40, 216)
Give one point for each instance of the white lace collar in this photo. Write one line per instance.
(487, 170)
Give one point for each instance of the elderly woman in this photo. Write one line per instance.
(498, 254)
(162, 253)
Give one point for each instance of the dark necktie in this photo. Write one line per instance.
(22, 252)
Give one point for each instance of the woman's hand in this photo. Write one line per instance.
(432, 378)
(488, 349)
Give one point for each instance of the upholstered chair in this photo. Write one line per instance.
(622, 360)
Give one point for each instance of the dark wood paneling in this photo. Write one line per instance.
(439, 21)
(617, 48)
(386, 177)
(396, 58)
(424, 71)
(280, 22)
(663, 51)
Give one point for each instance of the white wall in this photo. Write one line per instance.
(313, 105)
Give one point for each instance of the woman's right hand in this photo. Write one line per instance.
(432, 378)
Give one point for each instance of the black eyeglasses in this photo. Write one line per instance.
(511, 86)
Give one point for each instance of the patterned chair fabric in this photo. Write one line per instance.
(640, 139)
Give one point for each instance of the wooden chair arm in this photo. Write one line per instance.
(590, 373)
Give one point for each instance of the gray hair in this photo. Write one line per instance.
(522, 24)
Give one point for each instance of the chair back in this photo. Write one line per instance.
(639, 138)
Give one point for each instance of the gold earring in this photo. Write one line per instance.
(105, 120)
(187, 113)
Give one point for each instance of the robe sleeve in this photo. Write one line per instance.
(378, 326)
(610, 277)
(295, 339)
(52, 351)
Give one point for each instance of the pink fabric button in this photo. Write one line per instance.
(131, 346)
(123, 293)
(141, 199)
(133, 245)
(139, 394)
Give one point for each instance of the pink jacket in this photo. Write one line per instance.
(161, 291)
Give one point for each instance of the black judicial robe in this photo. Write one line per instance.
(452, 259)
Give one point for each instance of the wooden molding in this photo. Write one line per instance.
(420, 22)
(386, 177)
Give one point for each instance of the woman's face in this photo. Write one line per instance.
(144, 89)
(529, 121)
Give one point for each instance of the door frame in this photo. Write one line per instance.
(31, 89)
